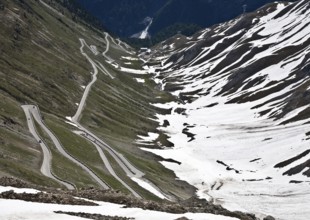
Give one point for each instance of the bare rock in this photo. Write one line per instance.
(94, 216)
(46, 198)
(269, 218)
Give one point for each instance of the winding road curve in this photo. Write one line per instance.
(106, 161)
(129, 169)
(47, 156)
(33, 110)
(107, 48)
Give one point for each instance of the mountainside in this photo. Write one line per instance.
(61, 94)
(240, 127)
(73, 103)
(201, 127)
(125, 17)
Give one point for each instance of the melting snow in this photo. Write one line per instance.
(129, 58)
(149, 187)
(140, 80)
(69, 118)
(232, 156)
(21, 210)
(135, 71)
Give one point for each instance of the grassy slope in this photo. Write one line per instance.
(41, 63)
(64, 168)
(117, 110)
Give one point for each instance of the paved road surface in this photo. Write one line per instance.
(130, 170)
(37, 116)
(47, 156)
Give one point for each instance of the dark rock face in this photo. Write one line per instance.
(291, 160)
(166, 123)
(93, 216)
(182, 218)
(299, 168)
(180, 110)
(269, 218)
(45, 198)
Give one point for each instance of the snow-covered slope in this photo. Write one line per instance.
(145, 33)
(18, 209)
(241, 126)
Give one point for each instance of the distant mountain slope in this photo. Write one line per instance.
(241, 125)
(124, 17)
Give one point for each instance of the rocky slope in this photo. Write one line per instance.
(240, 129)
(91, 197)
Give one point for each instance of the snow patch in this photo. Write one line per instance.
(135, 71)
(22, 210)
(149, 138)
(148, 187)
(140, 80)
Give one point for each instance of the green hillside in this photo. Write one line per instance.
(41, 64)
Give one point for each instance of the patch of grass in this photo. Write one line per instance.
(120, 172)
(64, 168)
(117, 112)
(21, 158)
(68, 170)
(25, 173)
(162, 177)
(41, 64)
(76, 145)
(83, 150)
